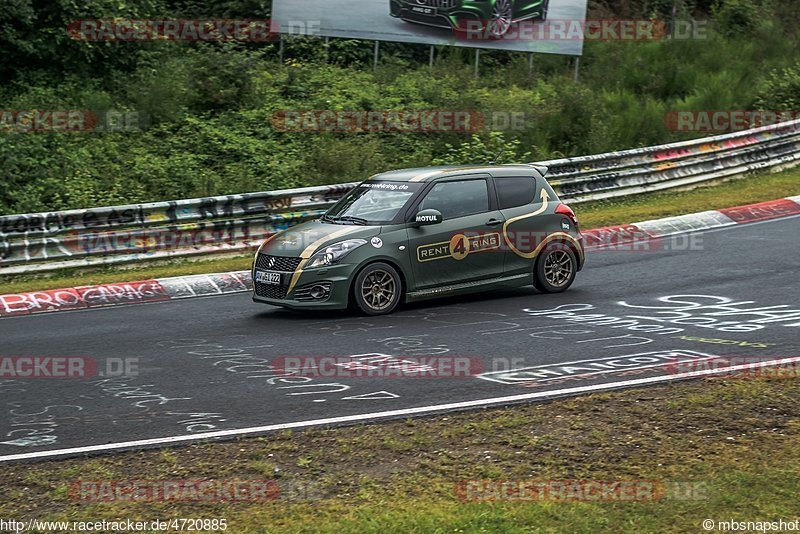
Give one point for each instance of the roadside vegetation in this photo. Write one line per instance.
(732, 441)
(205, 109)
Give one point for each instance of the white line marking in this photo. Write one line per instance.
(387, 414)
(666, 364)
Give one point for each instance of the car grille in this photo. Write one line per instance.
(269, 291)
(280, 263)
(441, 4)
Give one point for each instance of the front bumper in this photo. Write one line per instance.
(336, 277)
(450, 14)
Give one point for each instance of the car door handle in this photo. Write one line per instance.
(493, 222)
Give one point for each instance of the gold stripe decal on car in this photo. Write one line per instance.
(527, 255)
(424, 175)
(311, 249)
(421, 177)
(546, 241)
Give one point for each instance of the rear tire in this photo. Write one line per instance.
(377, 289)
(555, 269)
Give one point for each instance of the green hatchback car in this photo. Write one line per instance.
(492, 17)
(415, 234)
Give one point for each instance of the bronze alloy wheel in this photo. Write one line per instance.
(558, 268)
(555, 269)
(377, 289)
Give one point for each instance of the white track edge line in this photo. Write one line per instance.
(387, 414)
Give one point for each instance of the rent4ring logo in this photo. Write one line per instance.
(459, 247)
(66, 367)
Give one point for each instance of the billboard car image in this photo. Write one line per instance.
(495, 17)
(488, 24)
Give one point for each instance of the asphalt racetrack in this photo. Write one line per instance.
(216, 367)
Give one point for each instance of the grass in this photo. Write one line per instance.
(591, 214)
(732, 443)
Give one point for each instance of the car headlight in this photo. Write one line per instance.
(333, 253)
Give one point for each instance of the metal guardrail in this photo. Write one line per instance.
(238, 223)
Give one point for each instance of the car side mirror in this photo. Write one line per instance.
(427, 218)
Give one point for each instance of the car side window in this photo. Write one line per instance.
(458, 199)
(515, 191)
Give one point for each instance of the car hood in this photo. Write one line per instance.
(307, 238)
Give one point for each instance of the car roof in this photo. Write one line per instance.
(427, 174)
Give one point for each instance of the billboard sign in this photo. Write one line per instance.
(544, 26)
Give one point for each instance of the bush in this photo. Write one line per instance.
(780, 91)
(737, 17)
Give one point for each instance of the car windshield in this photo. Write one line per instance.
(372, 203)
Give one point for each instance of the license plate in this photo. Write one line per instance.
(268, 277)
(430, 11)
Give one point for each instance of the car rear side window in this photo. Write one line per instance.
(515, 191)
(458, 199)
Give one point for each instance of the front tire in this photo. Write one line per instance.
(377, 289)
(502, 19)
(555, 269)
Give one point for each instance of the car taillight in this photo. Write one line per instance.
(563, 209)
